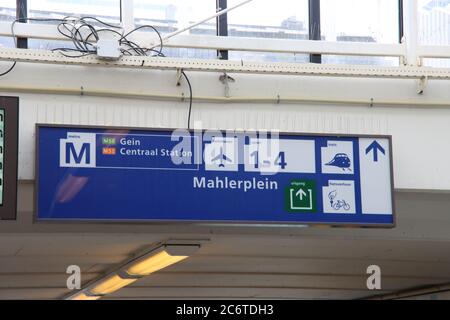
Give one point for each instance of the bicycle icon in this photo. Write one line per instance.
(337, 204)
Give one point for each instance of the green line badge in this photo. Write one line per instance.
(108, 140)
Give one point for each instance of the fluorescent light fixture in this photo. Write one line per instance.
(155, 260)
(159, 259)
(110, 285)
(83, 296)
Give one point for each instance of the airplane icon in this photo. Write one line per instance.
(222, 157)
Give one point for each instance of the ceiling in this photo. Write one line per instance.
(233, 262)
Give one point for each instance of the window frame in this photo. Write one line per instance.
(221, 42)
(314, 26)
(21, 16)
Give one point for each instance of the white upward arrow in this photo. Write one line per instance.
(301, 194)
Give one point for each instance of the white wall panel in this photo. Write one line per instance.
(420, 134)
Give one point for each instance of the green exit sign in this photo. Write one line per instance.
(300, 196)
(8, 157)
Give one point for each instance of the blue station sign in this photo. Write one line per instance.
(113, 174)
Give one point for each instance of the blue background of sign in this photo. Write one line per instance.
(151, 194)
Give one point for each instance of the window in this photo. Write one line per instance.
(268, 56)
(190, 53)
(360, 21)
(434, 22)
(49, 44)
(361, 60)
(434, 27)
(7, 13)
(282, 19)
(7, 10)
(6, 42)
(436, 62)
(373, 21)
(107, 10)
(171, 15)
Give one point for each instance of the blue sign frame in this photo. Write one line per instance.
(128, 175)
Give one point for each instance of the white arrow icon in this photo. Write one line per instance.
(300, 193)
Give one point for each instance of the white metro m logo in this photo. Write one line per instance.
(78, 150)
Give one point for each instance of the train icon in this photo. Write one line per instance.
(340, 160)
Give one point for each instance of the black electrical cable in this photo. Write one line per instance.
(73, 28)
(190, 99)
(9, 70)
(15, 39)
(190, 95)
(99, 21)
(30, 19)
(151, 27)
(80, 31)
(63, 50)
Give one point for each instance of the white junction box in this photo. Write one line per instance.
(108, 49)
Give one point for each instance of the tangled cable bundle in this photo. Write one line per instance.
(84, 32)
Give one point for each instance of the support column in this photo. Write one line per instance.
(21, 15)
(127, 15)
(314, 27)
(411, 31)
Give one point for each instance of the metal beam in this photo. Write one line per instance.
(209, 65)
(43, 31)
(222, 26)
(411, 32)
(21, 15)
(314, 27)
(401, 27)
(434, 51)
(127, 15)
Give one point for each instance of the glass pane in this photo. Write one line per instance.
(50, 44)
(7, 13)
(282, 19)
(106, 10)
(267, 56)
(6, 42)
(190, 53)
(361, 60)
(7, 10)
(434, 22)
(361, 21)
(436, 63)
(170, 15)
